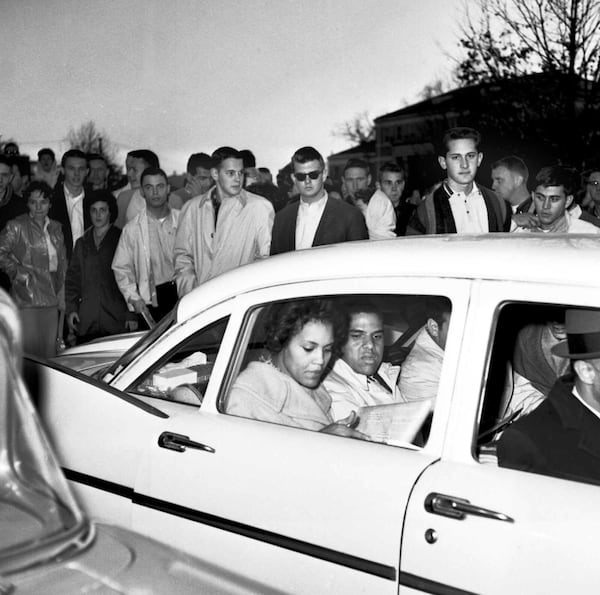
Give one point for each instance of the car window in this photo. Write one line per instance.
(363, 366)
(533, 417)
(183, 374)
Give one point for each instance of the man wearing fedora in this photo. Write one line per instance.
(562, 436)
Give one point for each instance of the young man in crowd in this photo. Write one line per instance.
(47, 169)
(223, 228)
(374, 205)
(197, 180)
(98, 176)
(553, 194)
(460, 205)
(392, 179)
(67, 199)
(131, 201)
(316, 219)
(143, 261)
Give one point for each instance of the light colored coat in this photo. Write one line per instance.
(131, 263)
(242, 235)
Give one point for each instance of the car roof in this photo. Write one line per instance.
(536, 258)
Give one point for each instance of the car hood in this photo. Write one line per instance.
(98, 354)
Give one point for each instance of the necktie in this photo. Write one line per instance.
(379, 380)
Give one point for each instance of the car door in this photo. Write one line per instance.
(306, 511)
(472, 526)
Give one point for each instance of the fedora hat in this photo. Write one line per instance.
(583, 335)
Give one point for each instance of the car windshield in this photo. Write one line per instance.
(144, 342)
(39, 517)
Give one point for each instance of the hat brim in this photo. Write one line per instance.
(562, 350)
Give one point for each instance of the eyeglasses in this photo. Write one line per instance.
(313, 175)
(594, 183)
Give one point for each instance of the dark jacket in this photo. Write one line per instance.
(340, 222)
(434, 214)
(560, 438)
(60, 213)
(91, 289)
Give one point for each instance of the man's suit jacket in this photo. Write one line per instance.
(560, 438)
(60, 213)
(340, 222)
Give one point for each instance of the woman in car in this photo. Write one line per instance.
(33, 255)
(285, 387)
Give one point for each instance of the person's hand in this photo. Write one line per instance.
(345, 427)
(526, 220)
(139, 306)
(73, 322)
(194, 186)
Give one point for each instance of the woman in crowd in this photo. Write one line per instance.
(33, 255)
(95, 306)
(285, 388)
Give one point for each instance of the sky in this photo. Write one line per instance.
(184, 76)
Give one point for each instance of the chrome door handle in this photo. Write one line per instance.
(458, 508)
(179, 442)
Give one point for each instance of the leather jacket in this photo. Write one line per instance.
(24, 258)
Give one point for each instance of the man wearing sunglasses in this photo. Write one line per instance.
(316, 219)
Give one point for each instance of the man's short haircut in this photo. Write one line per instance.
(556, 175)
(197, 160)
(392, 167)
(437, 307)
(514, 164)
(153, 171)
(46, 151)
(306, 154)
(37, 185)
(223, 153)
(73, 154)
(248, 158)
(458, 133)
(360, 305)
(264, 170)
(360, 163)
(150, 158)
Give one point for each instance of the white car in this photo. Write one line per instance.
(147, 441)
(47, 544)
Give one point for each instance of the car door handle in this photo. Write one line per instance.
(458, 508)
(179, 442)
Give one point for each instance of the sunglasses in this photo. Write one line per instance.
(594, 183)
(313, 175)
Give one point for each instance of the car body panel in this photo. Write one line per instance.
(344, 514)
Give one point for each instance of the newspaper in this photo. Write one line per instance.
(396, 423)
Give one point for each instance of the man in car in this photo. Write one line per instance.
(460, 205)
(223, 228)
(375, 206)
(562, 436)
(553, 195)
(143, 261)
(360, 378)
(316, 219)
(421, 370)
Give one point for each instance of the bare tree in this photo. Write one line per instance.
(358, 130)
(89, 139)
(513, 37)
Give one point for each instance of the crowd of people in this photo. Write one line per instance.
(109, 261)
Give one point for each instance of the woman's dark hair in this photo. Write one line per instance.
(37, 186)
(287, 319)
(101, 195)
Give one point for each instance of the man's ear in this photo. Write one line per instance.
(585, 372)
(432, 327)
(214, 173)
(568, 201)
(442, 161)
(378, 185)
(369, 180)
(479, 159)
